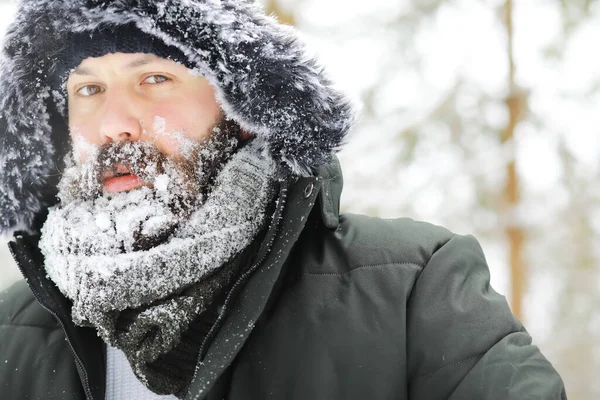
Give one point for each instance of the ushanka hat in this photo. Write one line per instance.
(265, 80)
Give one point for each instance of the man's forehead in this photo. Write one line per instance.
(122, 61)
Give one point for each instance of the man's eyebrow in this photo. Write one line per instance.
(135, 63)
(140, 61)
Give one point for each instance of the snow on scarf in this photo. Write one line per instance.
(163, 288)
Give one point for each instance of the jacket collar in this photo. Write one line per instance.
(87, 348)
(261, 288)
(332, 182)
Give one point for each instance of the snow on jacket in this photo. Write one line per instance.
(344, 307)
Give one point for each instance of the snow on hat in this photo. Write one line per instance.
(264, 78)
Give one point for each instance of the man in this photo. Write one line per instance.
(168, 171)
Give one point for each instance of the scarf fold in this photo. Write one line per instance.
(172, 371)
(143, 301)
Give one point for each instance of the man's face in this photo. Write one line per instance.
(148, 141)
(138, 97)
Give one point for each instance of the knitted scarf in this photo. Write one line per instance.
(142, 301)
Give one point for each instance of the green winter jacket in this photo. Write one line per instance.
(342, 307)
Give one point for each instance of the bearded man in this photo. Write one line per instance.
(168, 174)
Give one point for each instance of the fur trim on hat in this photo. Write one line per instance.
(263, 75)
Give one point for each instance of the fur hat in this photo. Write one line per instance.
(264, 78)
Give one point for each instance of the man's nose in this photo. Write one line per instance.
(120, 121)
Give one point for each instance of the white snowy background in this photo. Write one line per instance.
(431, 78)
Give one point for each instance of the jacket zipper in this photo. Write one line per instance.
(238, 283)
(229, 297)
(78, 362)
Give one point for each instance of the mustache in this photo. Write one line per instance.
(138, 158)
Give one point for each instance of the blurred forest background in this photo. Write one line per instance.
(484, 117)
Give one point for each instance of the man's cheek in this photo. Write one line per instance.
(169, 133)
(176, 144)
(82, 147)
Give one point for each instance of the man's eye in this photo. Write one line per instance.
(90, 90)
(156, 79)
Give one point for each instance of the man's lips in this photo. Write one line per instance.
(122, 183)
(120, 179)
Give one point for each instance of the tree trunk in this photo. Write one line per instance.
(516, 103)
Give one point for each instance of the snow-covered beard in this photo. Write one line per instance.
(145, 217)
(92, 251)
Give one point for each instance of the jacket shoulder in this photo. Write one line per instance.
(364, 241)
(372, 240)
(18, 307)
